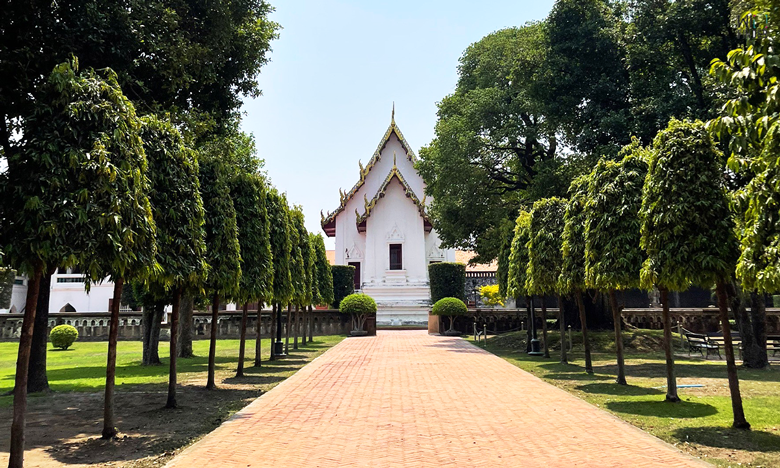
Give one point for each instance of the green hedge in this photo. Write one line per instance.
(448, 279)
(63, 336)
(343, 282)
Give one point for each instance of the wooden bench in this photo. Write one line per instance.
(717, 340)
(701, 343)
(773, 344)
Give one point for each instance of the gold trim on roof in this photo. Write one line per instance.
(369, 205)
(345, 197)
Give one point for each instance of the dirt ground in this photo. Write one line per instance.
(63, 429)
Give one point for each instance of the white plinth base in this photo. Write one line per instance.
(400, 305)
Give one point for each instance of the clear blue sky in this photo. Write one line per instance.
(335, 72)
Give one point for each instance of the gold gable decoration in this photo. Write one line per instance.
(369, 205)
(345, 197)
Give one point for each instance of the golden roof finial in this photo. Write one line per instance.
(392, 116)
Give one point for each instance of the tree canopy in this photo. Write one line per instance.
(280, 246)
(518, 257)
(544, 246)
(687, 228)
(323, 274)
(299, 240)
(572, 276)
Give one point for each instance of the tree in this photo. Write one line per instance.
(304, 297)
(249, 199)
(280, 252)
(179, 216)
(223, 251)
(297, 268)
(572, 278)
(324, 275)
(612, 254)
(545, 260)
(490, 138)
(685, 203)
(76, 195)
(193, 60)
(7, 277)
(518, 266)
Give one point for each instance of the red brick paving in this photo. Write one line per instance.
(407, 399)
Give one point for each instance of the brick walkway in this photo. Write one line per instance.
(406, 399)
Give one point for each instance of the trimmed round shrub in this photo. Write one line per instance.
(343, 283)
(448, 279)
(358, 305)
(63, 336)
(450, 307)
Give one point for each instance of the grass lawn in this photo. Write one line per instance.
(63, 426)
(700, 424)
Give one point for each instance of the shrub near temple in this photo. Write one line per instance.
(63, 336)
(448, 279)
(358, 305)
(450, 307)
(343, 283)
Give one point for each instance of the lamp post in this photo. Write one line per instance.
(536, 348)
(278, 345)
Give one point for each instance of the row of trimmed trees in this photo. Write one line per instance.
(658, 217)
(124, 197)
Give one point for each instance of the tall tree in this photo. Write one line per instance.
(281, 246)
(223, 252)
(685, 203)
(324, 276)
(572, 278)
(297, 269)
(517, 269)
(612, 254)
(490, 138)
(248, 192)
(76, 195)
(545, 260)
(178, 213)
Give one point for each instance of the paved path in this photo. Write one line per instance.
(406, 399)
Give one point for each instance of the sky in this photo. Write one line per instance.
(335, 72)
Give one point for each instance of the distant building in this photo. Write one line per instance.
(381, 227)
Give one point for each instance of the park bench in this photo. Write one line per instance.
(773, 344)
(701, 343)
(716, 339)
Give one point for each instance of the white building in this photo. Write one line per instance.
(381, 228)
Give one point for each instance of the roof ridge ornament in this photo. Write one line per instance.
(392, 116)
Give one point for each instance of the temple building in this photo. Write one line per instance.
(381, 227)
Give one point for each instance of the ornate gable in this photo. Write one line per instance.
(328, 222)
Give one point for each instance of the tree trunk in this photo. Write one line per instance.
(544, 327)
(754, 353)
(37, 381)
(529, 313)
(311, 324)
(272, 356)
(242, 340)
(152, 320)
(616, 317)
(147, 316)
(16, 454)
(562, 324)
(296, 326)
(109, 425)
(174, 322)
(211, 383)
(259, 337)
(185, 327)
(287, 330)
(736, 398)
(585, 340)
(671, 379)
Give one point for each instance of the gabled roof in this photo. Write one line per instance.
(394, 173)
(328, 222)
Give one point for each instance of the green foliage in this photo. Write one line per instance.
(447, 279)
(491, 295)
(449, 306)
(223, 252)
(687, 228)
(308, 256)
(7, 277)
(544, 247)
(502, 271)
(280, 246)
(63, 336)
(572, 276)
(343, 283)
(324, 275)
(613, 257)
(248, 192)
(298, 239)
(518, 258)
(758, 267)
(489, 139)
(357, 304)
(174, 195)
(77, 193)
